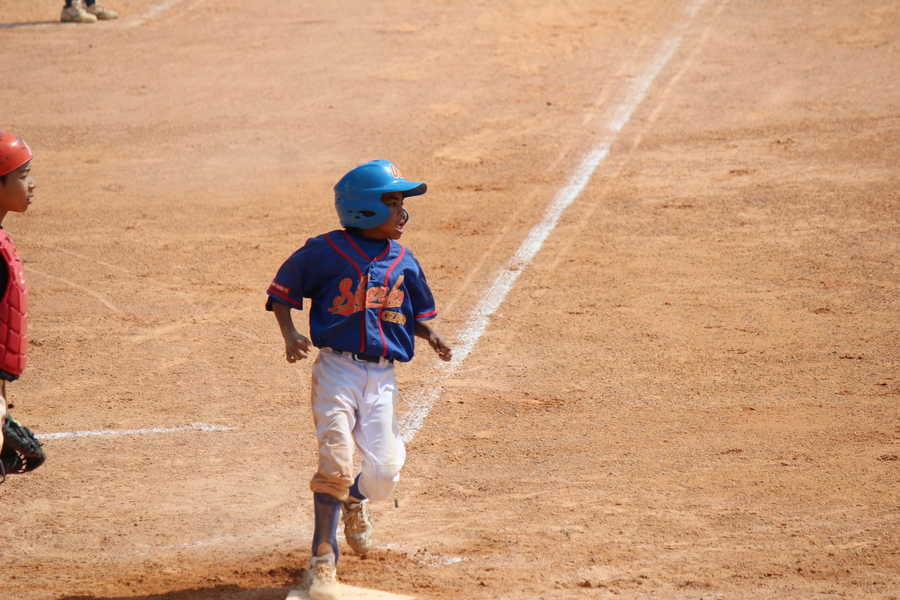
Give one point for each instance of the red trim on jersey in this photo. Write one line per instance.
(387, 251)
(428, 315)
(362, 333)
(363, 254)
(358, 249)
(387, 276)
(341, 252)
(276, 292)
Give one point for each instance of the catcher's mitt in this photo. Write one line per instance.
(22, 452)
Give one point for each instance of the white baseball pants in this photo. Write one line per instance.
(354, 403)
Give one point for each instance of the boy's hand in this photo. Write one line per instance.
(440, 346)
(296, 347)
(434, 339)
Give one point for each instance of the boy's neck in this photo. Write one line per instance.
(359, 233)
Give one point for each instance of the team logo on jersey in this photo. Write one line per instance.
(392, 316)
(352, 301)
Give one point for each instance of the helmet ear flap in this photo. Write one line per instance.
(361, 214)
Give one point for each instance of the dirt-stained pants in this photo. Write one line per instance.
(354, 403)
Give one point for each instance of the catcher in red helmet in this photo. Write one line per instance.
(20, 451)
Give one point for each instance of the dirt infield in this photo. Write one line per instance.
(690, 391)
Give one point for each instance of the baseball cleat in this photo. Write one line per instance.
(358, 527)
(77, 14)
(101, 13)
(323, 583)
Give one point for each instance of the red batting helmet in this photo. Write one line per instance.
(14, 152)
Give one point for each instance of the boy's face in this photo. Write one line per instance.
(16, 193)
(391, 229)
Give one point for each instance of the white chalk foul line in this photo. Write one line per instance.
(481, 315)
(151, 13)
(112, 432)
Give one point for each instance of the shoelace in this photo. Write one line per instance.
(356, 519)
(325, 573)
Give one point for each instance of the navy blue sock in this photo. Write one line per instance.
(354, 490)
(328, 514)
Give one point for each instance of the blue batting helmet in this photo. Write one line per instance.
(357, 196)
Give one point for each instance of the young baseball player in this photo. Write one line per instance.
(16, 192)
(368, 301)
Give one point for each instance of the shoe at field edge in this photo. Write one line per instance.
(101, 13)
(358, 527)
(323, 584)
(76, 14)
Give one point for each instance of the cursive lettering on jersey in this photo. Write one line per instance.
(352, 301)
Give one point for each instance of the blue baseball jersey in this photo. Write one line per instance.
(358, 303)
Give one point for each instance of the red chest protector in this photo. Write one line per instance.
(13, 312)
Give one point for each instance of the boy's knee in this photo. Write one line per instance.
(377, 482)
(335, 473)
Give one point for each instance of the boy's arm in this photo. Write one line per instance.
(296, 346)
(425, 331)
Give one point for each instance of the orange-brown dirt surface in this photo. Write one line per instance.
(690, 391)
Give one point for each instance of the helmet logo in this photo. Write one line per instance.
(396, 172)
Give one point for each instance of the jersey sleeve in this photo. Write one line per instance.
(288, 285)
(420, 296)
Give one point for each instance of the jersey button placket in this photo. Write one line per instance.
(373, 341)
